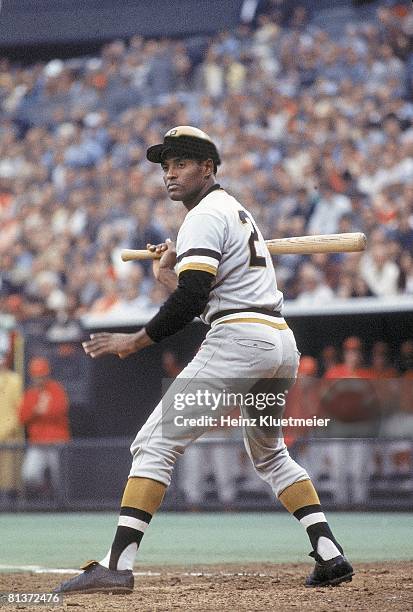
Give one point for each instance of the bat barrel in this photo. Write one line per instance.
(328, 243)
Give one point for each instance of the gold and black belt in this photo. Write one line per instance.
(273, 314)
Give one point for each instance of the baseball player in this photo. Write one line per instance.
(222, 272)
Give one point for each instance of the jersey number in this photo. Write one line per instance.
(255, 260)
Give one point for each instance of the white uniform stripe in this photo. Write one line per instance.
(312, 519)
(210, 261)
(133, 523)
(249, 315)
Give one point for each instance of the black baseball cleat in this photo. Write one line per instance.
(330, 572)
(98, 579)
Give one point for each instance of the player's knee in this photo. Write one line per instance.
(271, 462)
(152, 461)
(157, 453)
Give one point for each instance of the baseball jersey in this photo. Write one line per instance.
(220, 236)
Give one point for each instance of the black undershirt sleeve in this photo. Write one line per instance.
(187, 302)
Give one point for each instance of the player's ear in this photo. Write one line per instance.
(209, 168)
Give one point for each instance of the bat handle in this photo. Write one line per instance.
(136, 255)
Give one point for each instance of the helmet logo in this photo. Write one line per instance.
(172, 132)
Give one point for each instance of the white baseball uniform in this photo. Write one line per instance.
(248, 341)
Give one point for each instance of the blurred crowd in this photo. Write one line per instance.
(331, 386)
(368, 397)
(316, 136)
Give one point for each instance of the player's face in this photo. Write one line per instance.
(184, 178)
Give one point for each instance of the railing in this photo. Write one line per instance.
(216, 474)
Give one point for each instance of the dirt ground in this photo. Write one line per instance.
(230, 588)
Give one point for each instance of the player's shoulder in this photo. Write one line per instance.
(218, 203)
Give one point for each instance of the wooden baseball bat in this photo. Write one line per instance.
(297, 245)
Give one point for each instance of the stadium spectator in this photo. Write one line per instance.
(44, 413)
(396, 456)
(360, 288)
(328, 358)
(380, 363)
(216, 458)
(131, 297)
(406, 273)
(379, 271)
(316, 133)
(386, 379)
(10, 428)
(171, 364)
(352, 364)
(303, 400)
(313, 289)
(328, 211)
(354, 409)
(405, 359)
(107, 299)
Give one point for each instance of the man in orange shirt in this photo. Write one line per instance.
(352, 404)
(303, 400)
(346, 401)
(380, 362)
(351, 366)
(44, 412)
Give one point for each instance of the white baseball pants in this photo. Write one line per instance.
(235, 356)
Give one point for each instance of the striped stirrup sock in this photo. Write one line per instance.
(132, 525)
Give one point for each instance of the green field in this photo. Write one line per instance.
(67, 540)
